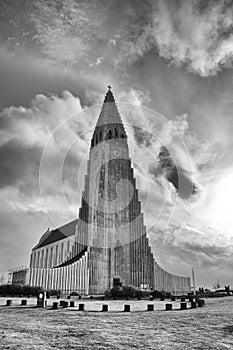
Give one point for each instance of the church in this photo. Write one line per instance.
(107, 245)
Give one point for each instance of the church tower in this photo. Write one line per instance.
(110, 215)
(107, 245)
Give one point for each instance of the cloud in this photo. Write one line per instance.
(178, 176)
(195, 35)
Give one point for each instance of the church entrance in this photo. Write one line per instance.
(116, 282)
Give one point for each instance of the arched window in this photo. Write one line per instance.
(92, 143)
(109, 134)
(116, 133)
(96, 139)
(100, 137)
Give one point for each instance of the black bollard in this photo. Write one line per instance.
(150, 307)
(8, 302)
(58, 296)
(151, 298)
(105, 308)
(126, 308)
(23, 302)
(81, 307)
(183, 306)
(193, 304)
(61, 302)
(200, 303)
(65, 304)
(72, 303)
(55, 306)
(168, 307)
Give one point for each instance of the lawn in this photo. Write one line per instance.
(204, 328)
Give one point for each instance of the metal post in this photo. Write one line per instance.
(194, 285)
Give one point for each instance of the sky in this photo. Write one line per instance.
(170, 67)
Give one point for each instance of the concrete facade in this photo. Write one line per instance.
(107, 245)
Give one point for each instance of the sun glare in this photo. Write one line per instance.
(221, 205)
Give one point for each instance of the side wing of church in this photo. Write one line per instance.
(107, 245)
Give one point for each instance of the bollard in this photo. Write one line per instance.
(182, 299)
(173, 298)
(58, 296)
(105, 308)
(150, 307)
(183, 306)
(65, 304)
(42, 299)
(79, 297)
(151, 298)
(193, 304)
(8, 302)
(200, 303)
(168, 307)
(24, 302)
(71, 303)
(81, 307)
(61, 302)
(102, 298)
(126, 308)
(55, 306)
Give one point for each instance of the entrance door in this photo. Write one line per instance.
(116, 282)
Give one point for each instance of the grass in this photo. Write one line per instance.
(204, 328)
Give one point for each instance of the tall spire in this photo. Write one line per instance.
(109, 96)
(109, 113)
(109, 124)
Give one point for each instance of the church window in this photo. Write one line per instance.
(100, 138)
(38, 260)
(109, 135)
(56, 255)
(42, 259)
(116, 133)
(51, 257)
(46, 258)
(62, 246)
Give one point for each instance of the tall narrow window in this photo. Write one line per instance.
(46, 258)
(42, 259)
(116, 133)
(100, 138)
(62, 247)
